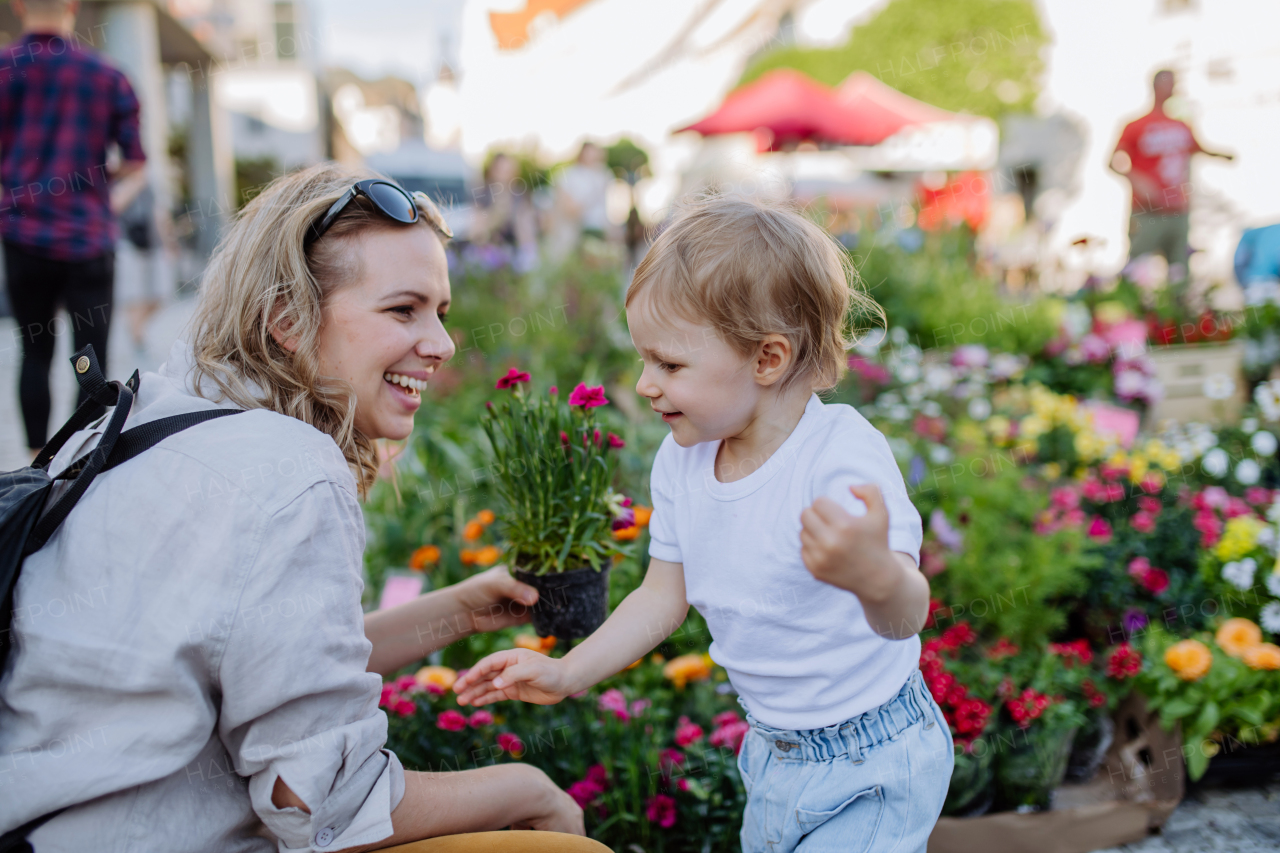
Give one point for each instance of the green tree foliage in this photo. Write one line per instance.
(976, 56)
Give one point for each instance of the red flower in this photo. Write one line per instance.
(661, 810)
(959, 634)
(615, 442)
(730, 734)
(587, 398)
(724, 718)
(687, 732)
(1125, 662)
(1150, 505)
(564, 439)
(510, 743)
(512, 379)
(1096, 698)
(451, 721)
(1258, 496)
(935, 607)
(480, 718)
(1001, 650)
(1076, 651)
(1143, 522)
(584, 791)
(971, 717)
(1155, 581)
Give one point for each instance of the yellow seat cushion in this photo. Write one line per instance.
(504, 841)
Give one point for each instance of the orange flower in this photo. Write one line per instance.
(534, 643)
(642, 515)
(1237, 635)
(634, 665)
(485, 517)
(691, 667)
(1189, 659)
(427, 555)
(626, 534)
(488, 555)
(472, 531)
(1262, 656)
(468, 556)
(441, 676)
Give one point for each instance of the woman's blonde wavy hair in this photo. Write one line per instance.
(260, 276)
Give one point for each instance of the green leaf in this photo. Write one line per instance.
(1176, 709)
(1209, 716)
(1197, 761)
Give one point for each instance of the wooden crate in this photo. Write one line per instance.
(1183, 371)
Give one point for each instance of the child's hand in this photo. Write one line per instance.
(514, 674)
(849, 551)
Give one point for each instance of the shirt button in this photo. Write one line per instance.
(324, 837)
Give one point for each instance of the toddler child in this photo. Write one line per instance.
(786, 523)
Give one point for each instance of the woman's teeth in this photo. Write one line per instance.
(408, 383)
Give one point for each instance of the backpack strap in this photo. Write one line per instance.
(15, 840)
(134, 441)
(99, 394)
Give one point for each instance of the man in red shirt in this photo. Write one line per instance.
(1154, 153)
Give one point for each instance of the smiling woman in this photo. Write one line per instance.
(228, 673)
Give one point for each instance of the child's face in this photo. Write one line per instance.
(704, 389)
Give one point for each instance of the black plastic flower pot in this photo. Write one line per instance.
(570, 604)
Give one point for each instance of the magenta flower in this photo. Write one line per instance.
(564, 439)
(615, 442)
(1099, 528)
(597, 774)
(730, 734)
(583, 792)
(480, 718)
(512, 379)
(625, 519)
(661, 810)
(669, 759)
(404, 707)
(687, 732)
(588, 398)
(553, 390)
(724, 718)
(451, 721)
(639, 706)
(511, 743)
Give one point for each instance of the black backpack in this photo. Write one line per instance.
(23, 493)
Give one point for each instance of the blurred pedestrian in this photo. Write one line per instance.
(144, 254)
(581, 190)
(61, 107)
(505, 216)
(1154, 153)
(1257, 264)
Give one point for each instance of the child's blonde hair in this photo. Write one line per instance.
(752, 268)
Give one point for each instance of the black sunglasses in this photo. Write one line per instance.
(388, 197)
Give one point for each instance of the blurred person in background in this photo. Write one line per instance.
(1154, 153)
(62, 106)
(144, 254)
(581, 192)
(1257, 264)
(505, 216)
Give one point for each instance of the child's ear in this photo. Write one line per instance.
(773, 359)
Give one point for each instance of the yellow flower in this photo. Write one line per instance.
(1032, 427)
(441, 676)
(686, 668)
(1089, 445)
(1138, 467)
(1237, 635)
(1111, 311)
(1239, 538)
(1051, 470)
(1262, 656)
(1189, 659)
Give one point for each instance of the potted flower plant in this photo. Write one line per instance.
(553, 470)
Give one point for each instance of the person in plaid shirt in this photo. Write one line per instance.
(61, 107)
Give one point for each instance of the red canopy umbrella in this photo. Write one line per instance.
(878, 110)
(788, 106)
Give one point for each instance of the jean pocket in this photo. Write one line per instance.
(850, 827)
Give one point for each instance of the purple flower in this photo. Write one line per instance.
(626, 518)
(951, 539)
(1134, 620)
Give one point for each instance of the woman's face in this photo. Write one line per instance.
(384, 333)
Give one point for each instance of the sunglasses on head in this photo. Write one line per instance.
(388, 198)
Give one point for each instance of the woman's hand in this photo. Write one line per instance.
(514, 674)
(557, 811)
(493, 600)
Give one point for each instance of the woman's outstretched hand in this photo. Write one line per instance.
(514, 674)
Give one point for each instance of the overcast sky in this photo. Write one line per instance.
(376, 37)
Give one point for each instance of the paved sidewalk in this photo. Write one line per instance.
(1218, 820)
(165, 327)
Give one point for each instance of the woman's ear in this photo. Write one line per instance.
(279, 327)
(773, 359)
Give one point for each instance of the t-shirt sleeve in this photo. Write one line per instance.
(663, 543)
(297, 701)
(125, 128)
(860, 456)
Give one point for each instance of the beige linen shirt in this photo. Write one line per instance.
(191, 633)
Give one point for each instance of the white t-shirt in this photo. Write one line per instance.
(799, 651)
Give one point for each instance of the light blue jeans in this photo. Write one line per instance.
(872, 783)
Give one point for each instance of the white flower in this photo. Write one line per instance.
(1239, 573)
(1249, 426)
(940, 454)
(1270, 617)
(915, 393)
(870, 343)
(1263, 443)
(901, 413)
(905, 371)
(939, 377)
(1077, 320)
(931, 409)
(1273, 583)
(1273, 513)
(1005, 365)
(1219, 386)
(979, 408)
(1267, 396)
(1267, 538)
(898, 335)
(1248, 472)
(1215, 462)
(888, 398)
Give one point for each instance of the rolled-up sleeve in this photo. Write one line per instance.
(297, 702)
